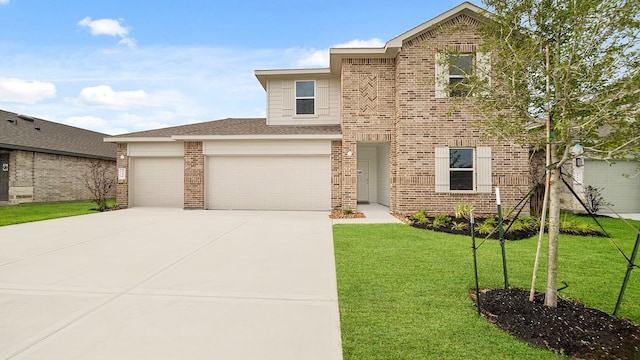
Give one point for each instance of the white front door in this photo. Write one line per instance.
(363, 181)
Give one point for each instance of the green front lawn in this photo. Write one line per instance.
(16, 214)
(404, 292)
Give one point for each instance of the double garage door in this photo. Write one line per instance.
(268, 182)
(243, 182)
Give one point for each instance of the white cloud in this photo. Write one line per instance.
(105, 96)
(86, 122)
(357, 43)
(27, 92)
(320, 58)
(110, 27)
(4, 2)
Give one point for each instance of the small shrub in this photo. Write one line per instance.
(508, 213)
(576, 227)
(593, 199)
(463, 210)
(491, 221)
(486, 227)
(421, 217)
(459, 226)
(347, 211)
(523, 223)
(441, 220)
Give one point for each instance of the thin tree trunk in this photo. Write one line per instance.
(551, 297)
(545, 201)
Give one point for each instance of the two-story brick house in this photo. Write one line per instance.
(376, 126)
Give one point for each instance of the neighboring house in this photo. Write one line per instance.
(618, 183)
(43, 161)
(376, 126)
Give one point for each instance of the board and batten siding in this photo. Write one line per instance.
(281, 102)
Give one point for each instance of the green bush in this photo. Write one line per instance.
(463, 210)
(523, 223)
(459, 226)
(441, 220)
(576, 227)
(486, 227)
(421, 217)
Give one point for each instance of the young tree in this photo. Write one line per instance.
(98, 179)
(572, 66)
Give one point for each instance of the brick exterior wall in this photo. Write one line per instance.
(336, 174)
(122, 186)
(193, 175)
(40, 177)
(400, 107)
(367, 114)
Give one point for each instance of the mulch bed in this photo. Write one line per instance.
(510, 235)
(571, 329)
(341, 214)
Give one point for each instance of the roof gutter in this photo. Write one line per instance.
(260, 137)
(56, 152)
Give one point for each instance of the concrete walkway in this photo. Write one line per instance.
(170, 284)
(374, 214)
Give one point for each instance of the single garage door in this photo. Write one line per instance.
(157, 182)
(622, 192)
(269, 182)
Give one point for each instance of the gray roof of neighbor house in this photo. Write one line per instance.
(230, 127)
(21, 132)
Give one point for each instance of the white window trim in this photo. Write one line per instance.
(472, 170)
(481, 170)
(481, 65)
(314, 98)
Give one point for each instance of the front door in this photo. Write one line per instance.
(4, 177)
(363, 182)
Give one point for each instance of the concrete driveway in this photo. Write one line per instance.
(170, 284)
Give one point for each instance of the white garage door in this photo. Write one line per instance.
(269, 182)
(622, 192)
(157, 182)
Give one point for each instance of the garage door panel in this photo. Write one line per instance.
(623, 192)
(157, 182)
(269, 182)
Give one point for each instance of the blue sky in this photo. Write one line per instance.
(123, 66)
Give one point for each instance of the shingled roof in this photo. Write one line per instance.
(249, 126)
(20, 132)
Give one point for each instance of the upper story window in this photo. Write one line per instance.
(454, 71)
(305, 97)
(460, 68)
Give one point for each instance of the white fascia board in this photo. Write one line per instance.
(263, 75)
(259, 137)
(137, 139)
(337, 54)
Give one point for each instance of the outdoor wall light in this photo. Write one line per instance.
(579, 162)
(349, 153)
(577, 150)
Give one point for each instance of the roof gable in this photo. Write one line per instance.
(466, 8)
(465, 12)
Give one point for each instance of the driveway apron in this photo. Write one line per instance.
(170, 284)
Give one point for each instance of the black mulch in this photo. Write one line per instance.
(570, 329)
(510, 235)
